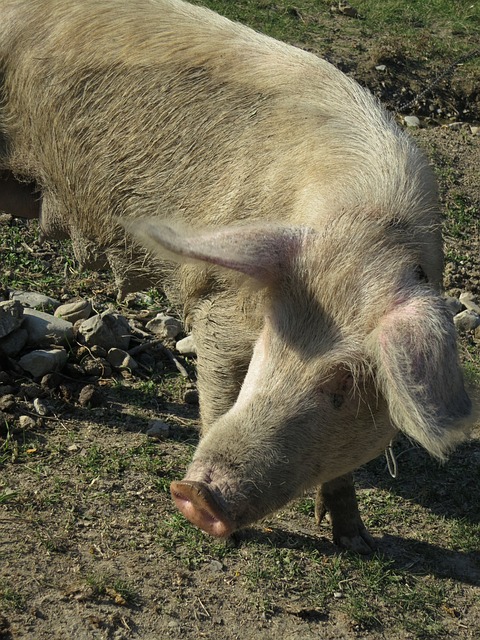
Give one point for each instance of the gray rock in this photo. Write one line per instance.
(466, 320)
(45, 329)
(40, 407)
(187, 346)
(43, 361)
(98, 352)
(90, 396)
(216, 566)
(165, 326)
(107, 330)
(191, 396)
(12, 344)
(97, 367)
(7, 401)
(5, 378)
(411, 121)
(158, 429)
(74, 370)
(11, 316)
(469, 302)
(73, 311)
(454, 305)
(51, 381)
(120, 359)
(26, 422)
(34, 300)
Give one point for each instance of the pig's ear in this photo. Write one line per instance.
(258, 251)
(415, 353)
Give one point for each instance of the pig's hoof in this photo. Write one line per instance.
(359, 542)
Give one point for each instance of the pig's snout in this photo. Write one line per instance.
(198, 504)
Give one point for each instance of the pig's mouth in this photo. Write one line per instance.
(200, 506)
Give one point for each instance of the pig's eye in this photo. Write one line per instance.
(420, 274)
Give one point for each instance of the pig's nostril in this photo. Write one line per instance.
(196, 502)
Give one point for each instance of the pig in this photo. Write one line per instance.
(278, 204)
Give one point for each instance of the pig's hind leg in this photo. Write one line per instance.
(338, 499)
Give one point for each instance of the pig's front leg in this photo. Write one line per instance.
(224, 341)
(338, 499)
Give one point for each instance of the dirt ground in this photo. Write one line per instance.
(91, 546)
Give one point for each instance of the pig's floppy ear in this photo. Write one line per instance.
(258, 251)
(414, 350)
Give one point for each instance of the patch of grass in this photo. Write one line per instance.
(461, 218)
(472, 372)
(375, 587)
(18, 447)
(48, 266)
(147, 459)
(191, 547)
(8, 447)
(373, 593)
(97, 461)
(10, 598)
(278, 19)
(23, 266)
(420, 27)
(446, 20)
(172, 387)
(120, 591)
(161, 387)
(148, 388)
(7, 496)
(306, 506)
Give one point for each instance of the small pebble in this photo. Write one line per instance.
(466, 320)
(26, 422)
(40, 407)
(89, 396)
(411, 121)
(158, 429)
(7, 402)
(186, 346)
(469, 301)
(191, 396)
(164, 326)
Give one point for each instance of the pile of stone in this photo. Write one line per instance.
(466, 313)
(71, 347)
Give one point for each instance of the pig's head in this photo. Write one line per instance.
(356, 344)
